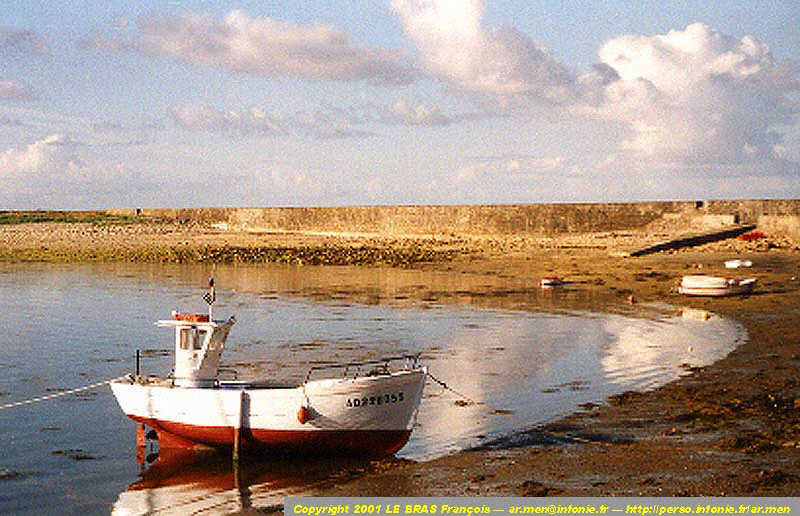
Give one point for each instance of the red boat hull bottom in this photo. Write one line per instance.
(373, 443)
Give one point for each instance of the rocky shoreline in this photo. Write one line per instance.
(729, 429)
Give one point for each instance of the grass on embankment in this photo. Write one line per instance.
(95, 217)
(304, 255)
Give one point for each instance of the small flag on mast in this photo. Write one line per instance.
(210, 296)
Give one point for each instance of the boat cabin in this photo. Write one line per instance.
(199, 342)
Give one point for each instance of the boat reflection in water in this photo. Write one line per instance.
(175, 480)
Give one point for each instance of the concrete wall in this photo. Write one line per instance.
(749, 211)
(531, 219)
(785, 225)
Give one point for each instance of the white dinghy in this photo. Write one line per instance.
(371, 412)
(698, 285)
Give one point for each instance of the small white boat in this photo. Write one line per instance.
(550, 282)
(370, 413)
(735, 264)
(698, 285)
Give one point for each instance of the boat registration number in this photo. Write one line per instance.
(381, 399)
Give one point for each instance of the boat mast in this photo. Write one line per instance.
(210, 297)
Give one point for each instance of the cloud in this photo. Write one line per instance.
(693, 96)
(23, 41)
(500, 61)
(265, 47)
(7, 121)
(17, 43)
(511, 167)
(690, 99)
(327, 123)
(110, 44)
(106, 134)
(37, 157)
(50, 173)
(207, 118)
(420, 114)
(11, 89)
(511, 178)
(321, 125)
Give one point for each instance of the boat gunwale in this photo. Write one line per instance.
(168, 382)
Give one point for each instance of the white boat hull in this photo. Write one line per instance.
(715, 292)
(715, 287)
(371, 415)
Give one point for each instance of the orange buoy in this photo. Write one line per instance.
(303, 415)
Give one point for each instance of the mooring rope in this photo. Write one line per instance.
(60, 393)
(498, 412)
(459, 394)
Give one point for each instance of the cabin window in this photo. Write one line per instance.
(192, 338)
(201, 337)
(186, 338)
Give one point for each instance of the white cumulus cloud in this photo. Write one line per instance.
(35, 158)
(694, 95)
(457, 47)
(50, 173)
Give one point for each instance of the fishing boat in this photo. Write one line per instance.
(698, 285)
(369, 410)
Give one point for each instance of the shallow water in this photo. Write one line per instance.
(528, 356)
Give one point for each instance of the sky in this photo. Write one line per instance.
(192, 103)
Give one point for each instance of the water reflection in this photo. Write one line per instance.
(644, 356)
(176, 481)
(537, 367)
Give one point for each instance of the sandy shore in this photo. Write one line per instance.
(732, 428)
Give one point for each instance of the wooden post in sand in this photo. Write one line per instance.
(237, 429)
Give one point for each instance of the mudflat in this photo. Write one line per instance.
(729, 429)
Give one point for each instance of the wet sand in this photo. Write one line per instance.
(730, 429)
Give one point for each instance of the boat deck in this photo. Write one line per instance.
(166, 381)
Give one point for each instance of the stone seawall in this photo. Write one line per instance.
(521, 219)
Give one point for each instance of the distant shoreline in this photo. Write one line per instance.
(199, 236)
(401, 221)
